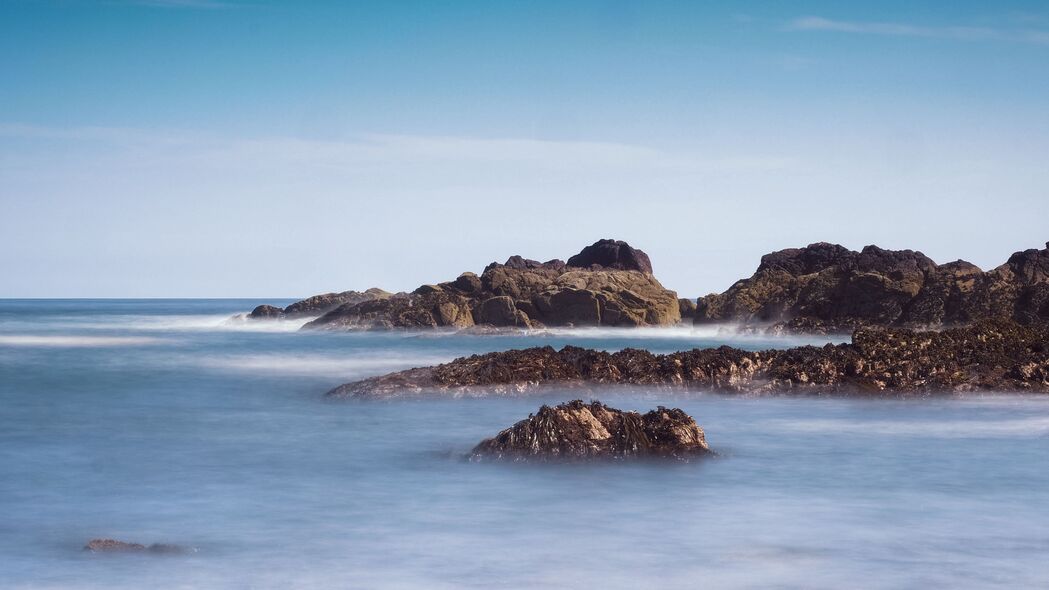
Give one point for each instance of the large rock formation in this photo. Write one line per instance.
(317, 305)
(826, 287)
(608, 284)
(576, 430)
(989, 355)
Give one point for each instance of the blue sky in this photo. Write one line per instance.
(263, 148)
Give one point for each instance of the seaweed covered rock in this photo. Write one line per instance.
(826, 287)
(988, 355)
(609, 284)
(577, 430)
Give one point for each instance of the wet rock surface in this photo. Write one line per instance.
(829, 288)
(989, 355)
(608, 284)
(593, 431)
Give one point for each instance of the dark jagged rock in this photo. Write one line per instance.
(612, 255)
(826, 287)
(988, 355)
(577, 430)
(317, 305)
(114, 546)
(687, 308)
(526, 293)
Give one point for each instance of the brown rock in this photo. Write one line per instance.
(612, 255)
(525, 293)
(825, 287)
(581, 431)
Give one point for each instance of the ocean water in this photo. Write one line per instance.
(163, 421)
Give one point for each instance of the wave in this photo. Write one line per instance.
(344, 365)
(35, 340)
(181, 323)
(1019, 427)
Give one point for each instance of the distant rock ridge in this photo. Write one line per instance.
(988, 355)
(317, 305)
(593, 431)
(826, 287)
(609, 283)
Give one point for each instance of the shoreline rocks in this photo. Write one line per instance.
(824, 288)
(593, 431)
(985, 356)
(608, 283)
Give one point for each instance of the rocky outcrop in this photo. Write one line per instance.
(611, 255)
(825, 287)
(317, 305)
(989, 355)
(614, 288)
(581, 431)
(114, 546)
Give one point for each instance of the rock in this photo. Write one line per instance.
(577, 430)
(612, 255)
(321, 304)
(525, 293)
(989, 355)
(500, 311)
(317, 305)
(826, 288)
(687, 309)
(114, 546)
(467, 282)
(266, 312)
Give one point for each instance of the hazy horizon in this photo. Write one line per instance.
(196, 148)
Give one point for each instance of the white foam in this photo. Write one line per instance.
(344, 365)
(726, 333)
(189, 323)
(1019, 427)
(60, 341)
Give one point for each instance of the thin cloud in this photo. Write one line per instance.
(892, 29)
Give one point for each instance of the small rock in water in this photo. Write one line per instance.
(112, 546)
(577, 430)
(115, 546)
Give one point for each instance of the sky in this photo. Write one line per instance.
(207, 148)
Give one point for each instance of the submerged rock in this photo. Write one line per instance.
(989, 355)
(115, 546)
(827, 288)
(577, 430)
(607, 284)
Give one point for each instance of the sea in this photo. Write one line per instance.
(170, 421)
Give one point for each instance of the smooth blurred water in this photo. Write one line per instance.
(161, 421)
